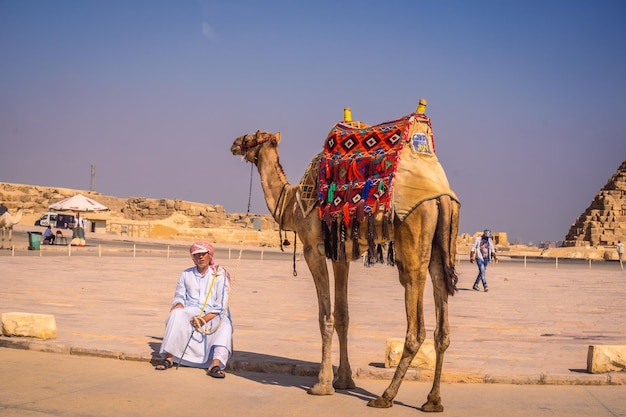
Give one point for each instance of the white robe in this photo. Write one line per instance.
(191, 292)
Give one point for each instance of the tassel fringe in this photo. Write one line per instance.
(341, 251)
(370, 235)
(385, 227)
(356, 234)
(327, 241)
(379, 254)
(391, 255)
(333, 241)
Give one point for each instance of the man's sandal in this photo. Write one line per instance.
(216, 372)
(165, 365)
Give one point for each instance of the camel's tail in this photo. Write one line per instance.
(446, 235)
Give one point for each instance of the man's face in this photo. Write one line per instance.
(202, 260)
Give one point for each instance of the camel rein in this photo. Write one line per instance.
(199, 322)
(244, 147)
(282, 202)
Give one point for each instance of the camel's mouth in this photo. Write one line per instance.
(237, 148)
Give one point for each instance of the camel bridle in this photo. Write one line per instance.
(255, 142)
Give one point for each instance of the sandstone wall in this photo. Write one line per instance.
(146, 217)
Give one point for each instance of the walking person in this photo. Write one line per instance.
(482, 252)
(620, 253)
(199, 329)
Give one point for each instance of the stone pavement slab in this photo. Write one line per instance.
(46, 384)
(534, 326)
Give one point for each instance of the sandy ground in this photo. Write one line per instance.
(534, 325)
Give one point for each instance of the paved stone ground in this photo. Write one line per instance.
(534, 325)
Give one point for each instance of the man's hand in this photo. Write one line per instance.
(472, 257)
(197, 322)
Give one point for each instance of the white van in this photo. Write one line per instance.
(58, 220)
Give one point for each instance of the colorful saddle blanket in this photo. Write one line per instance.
(357, 167)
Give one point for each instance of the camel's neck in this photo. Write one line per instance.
(273, 181)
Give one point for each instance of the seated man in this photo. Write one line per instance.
(198, 330)
(48, 236)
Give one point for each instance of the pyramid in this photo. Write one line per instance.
(604, 221)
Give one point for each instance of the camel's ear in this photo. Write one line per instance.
(256, 134)
(277, 134)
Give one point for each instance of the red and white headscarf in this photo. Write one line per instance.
(202, 246)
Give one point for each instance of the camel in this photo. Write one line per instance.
(424, 241)
(7, 221)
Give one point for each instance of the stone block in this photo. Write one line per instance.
(606, 358)
(42, 326)
(424, 358)
(184, 206)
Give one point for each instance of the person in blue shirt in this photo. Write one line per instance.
(48, 236)
(483, 251)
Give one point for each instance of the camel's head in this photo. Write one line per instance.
(248, 146)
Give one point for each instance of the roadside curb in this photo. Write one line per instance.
(298, 369)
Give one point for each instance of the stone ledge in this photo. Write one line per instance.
(424, 358)
(606, 358)
(41, 326)
(371, 372)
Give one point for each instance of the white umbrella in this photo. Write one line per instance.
(78, 203)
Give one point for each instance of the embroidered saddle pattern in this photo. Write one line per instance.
(358, 165)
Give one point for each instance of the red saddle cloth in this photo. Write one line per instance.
(357, 168)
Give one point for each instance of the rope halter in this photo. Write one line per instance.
(247, 144)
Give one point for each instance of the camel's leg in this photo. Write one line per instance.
(317, 265)
(413, 249)
(442, 330)
(342, 320)
(442, 263)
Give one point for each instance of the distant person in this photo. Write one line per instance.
(83, 226)
(482, 252)
(201, 297)
(75, 228)
(79, 227)
(286, 242)
(48, 236)
(620, 253)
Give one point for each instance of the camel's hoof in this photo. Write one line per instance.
(321, 389)
(380, 402)
(344, 383)
(429, 407)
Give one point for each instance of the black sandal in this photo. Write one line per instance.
(165, 365)
(216, 372)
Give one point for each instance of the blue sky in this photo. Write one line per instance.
(527, 99)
